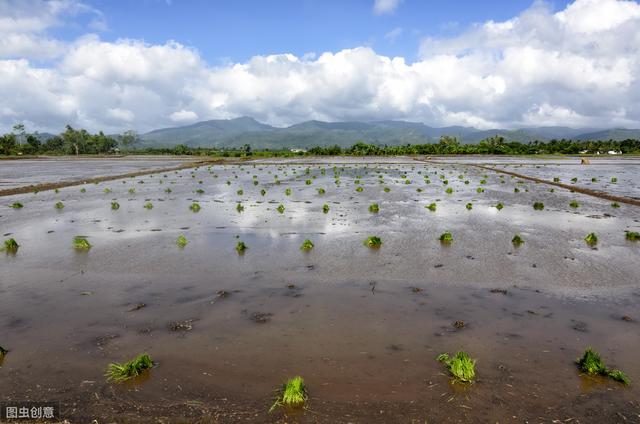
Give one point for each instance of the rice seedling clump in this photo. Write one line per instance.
(591, 363)
(241, 247)
(118, 373)
(461, 366)
(373, 242)
(307, 245)
(16, 205)
(11, 246)
(632, 235)
(538, 206)
(59, 205)
(446, 237)
(81, 243)
(374, 208)
(591, 239)
(292, 394)
(517, 240)
(182, 240)
(194, 207)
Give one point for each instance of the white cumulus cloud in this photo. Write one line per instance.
(385, 6)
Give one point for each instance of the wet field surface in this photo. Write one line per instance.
(362, 326)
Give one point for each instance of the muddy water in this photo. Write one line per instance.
(362, 326)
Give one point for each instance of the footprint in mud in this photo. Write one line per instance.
(498, 291)
(186, 325)
(579, 326)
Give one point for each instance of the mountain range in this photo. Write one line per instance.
(245, 130)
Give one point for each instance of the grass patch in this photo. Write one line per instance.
(16, 205)
(374, 208)
(461, 366)
(373, 242)
(538, 206)
(632, 235)
(194, 207)
(591, 239)
(292, 394)
(118, 373)
(241, 247)
(59, 205)
(11, 246)
(81, 243)
(446, 237)
(307, 245)
(182, 240)
(591, 363)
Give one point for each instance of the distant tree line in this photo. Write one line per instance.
(80, 142)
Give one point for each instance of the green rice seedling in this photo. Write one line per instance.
(59, 205)
(551, 190)
(325, 208)
(419, 190)
(115, 206)
(374, 208)
(446, 237)
(614, 180)
(538, 206)
(240, 192)
(556, 179)
(574, 180)
(308, 182)
(3, 352)
(307, 245)
(359, 189)
(632, 235)
(83, 190)
(591, 239)
(287, 192)
(517, 240)
(615, 205)
(16, 205)
(132, 190)
(182, 240)
(263, 192)
(56, 191)
(574, 204)
(449, 190)
(516, 190)
(11, 246)
(321, 191)
(373, 242)
(255, 182)
(81, 243)
(461, 366)
(292, 394)
(280, 208)
(432, 207)
(445, 182)
(469, 206)
(483, 181)
(241, 247)
(107, 190)
(199, 191)
(118, 373)
(594, 180)
(591, 363)
(167, 190)
(499, 206)
(479, 190)
(194, 207)
(148, 205)
(239, 207)
(386, 189)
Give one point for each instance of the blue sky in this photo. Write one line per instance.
(145, 64)
(236, 30)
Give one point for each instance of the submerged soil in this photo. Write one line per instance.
(362, 326)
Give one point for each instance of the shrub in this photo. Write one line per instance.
(115, 206)
(292, 394)
(81, 243)
(446, 237)
(374, 208)
(307, 245)
(11, 246)
(122, 372)
(461, 366)
(538, 206)
(373, 242)
(591, 239)
(517, 240)
(194, 207)
(182, 240)
(59, 205)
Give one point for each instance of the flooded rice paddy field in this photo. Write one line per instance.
(362, 326)
(17, 173)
